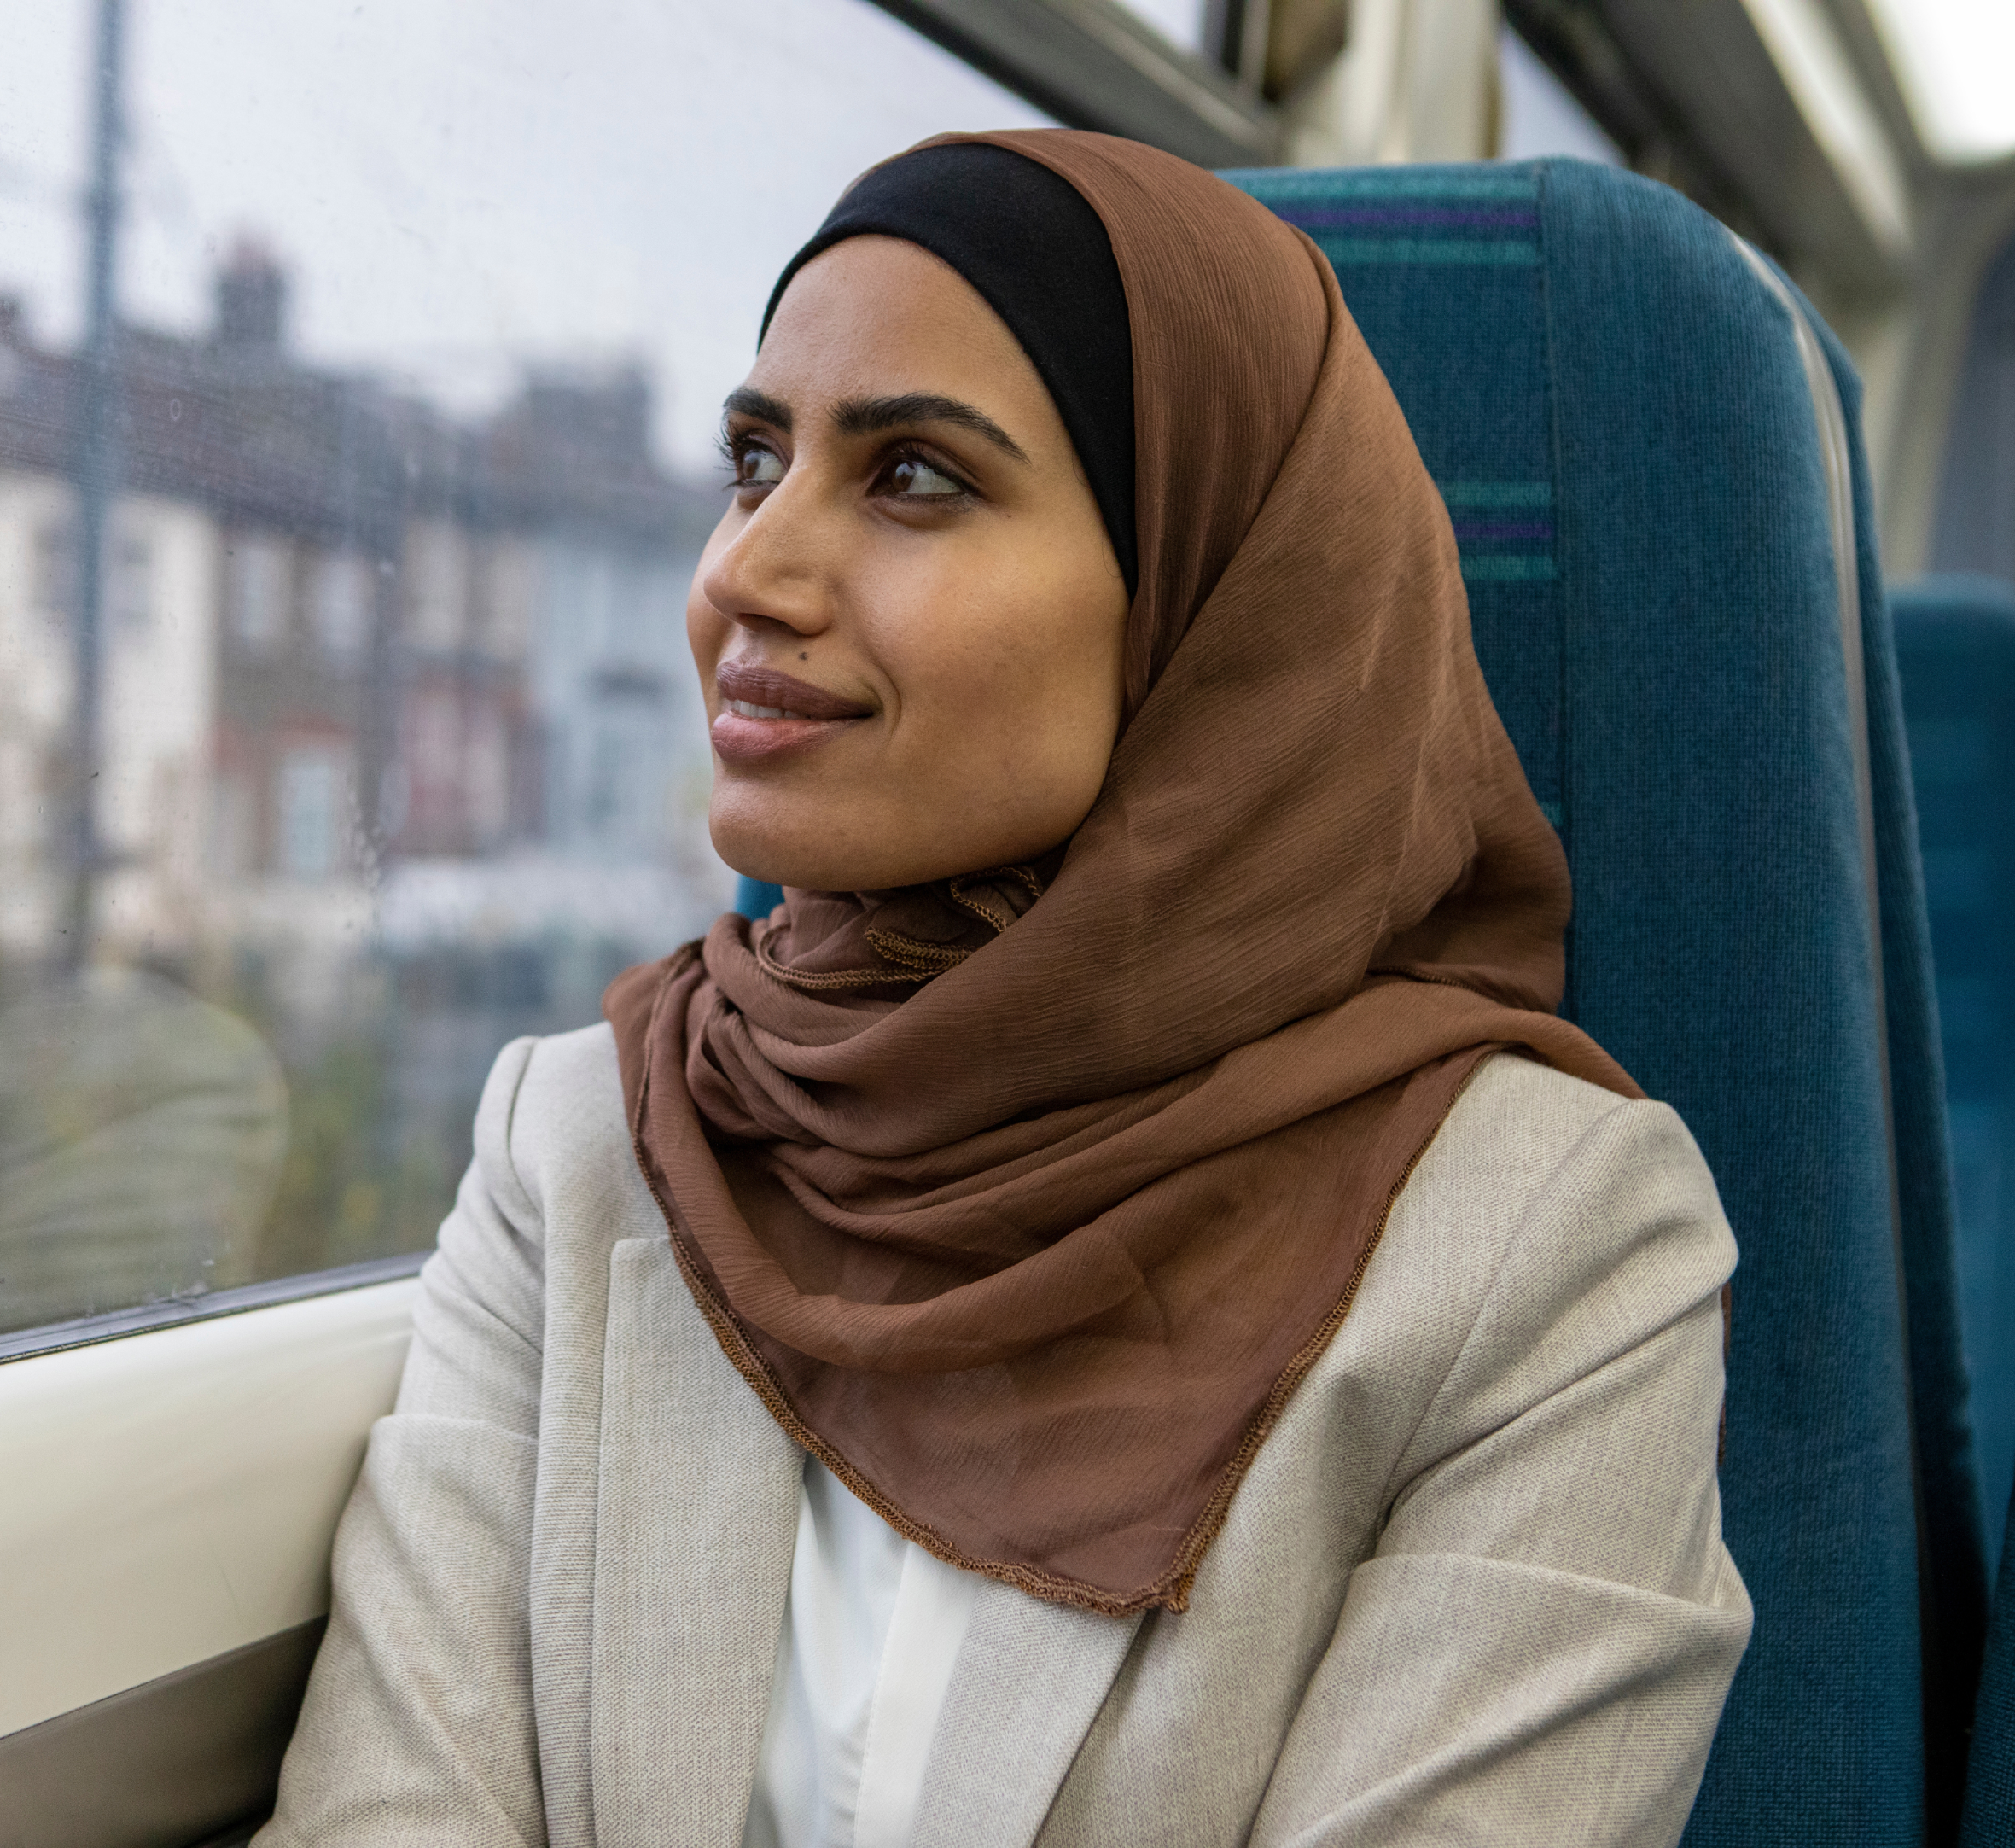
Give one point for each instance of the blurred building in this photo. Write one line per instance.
(344, 634)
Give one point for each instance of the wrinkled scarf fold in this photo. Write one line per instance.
(1025, 1200)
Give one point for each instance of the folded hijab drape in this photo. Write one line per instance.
(1026, 1200)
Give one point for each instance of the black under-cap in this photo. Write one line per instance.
(1030, 242)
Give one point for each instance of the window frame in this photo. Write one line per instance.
(1093, 64)
(144, 1318)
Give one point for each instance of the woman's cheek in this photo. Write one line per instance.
(706, 632)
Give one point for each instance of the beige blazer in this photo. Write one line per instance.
(1473, 1589)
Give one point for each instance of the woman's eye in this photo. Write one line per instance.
(916, 480)
(758, 468)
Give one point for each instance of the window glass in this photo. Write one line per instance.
(1180, 22)
(1540, 115)
(258, 578)
(424, 312)
(339, 605)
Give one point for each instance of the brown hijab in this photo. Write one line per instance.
(1025, 1201)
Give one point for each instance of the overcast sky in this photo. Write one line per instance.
(460, 184)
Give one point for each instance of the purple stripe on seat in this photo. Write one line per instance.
(1320, 218)
(1504, 529)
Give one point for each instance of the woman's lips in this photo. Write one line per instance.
(766, 714)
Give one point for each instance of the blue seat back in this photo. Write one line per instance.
(756, 898)
(1652, 455)
(1956, 647)
(1989, 1820)
(1653, 464)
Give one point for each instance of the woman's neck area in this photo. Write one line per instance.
(887, 944)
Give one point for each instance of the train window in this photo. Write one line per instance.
(1538, 115)
(1182, 22)
(1953, 58)
(364, 740)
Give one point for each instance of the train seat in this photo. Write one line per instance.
(1955, 648)
(1650, 452)
(1651, 449)
(1989, 1817)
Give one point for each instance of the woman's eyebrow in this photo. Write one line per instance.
(745, 401)
(863, 417)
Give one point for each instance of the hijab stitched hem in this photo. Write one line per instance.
(1169, 1592)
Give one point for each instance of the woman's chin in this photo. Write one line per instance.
(814, 865)
(758, 847)
(804, 838)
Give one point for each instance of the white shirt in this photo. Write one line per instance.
(871, 1634)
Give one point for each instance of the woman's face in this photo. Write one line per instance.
(908, 624)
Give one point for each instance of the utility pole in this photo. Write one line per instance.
(97, 479)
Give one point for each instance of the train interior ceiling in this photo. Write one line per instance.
(359, 379)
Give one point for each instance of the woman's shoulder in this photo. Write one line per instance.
(1520, 1131)
(1536, 1157)
(1516, 1098)
(552, 1108)
(1546, 1227)
(1549, 1230)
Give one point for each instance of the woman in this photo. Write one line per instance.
(1163, 1336)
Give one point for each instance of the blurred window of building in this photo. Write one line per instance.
(56, 567)
(132, 577)
(437, 580)
(417, 355)
(234, 825)
(309, 806)
(340, 601)
(258, 577)
(510, 597)
(486, 774)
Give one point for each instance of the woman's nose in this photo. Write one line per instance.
(775, 571)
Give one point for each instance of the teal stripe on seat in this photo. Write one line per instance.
(1356, 251)
(1272, 186)
(1506, 568)
(1496, 493)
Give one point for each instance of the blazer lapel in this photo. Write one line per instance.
(1031, 1678)
(694, 1529)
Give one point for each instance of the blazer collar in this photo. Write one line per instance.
(1031, 1679)
(696, 1522)
(695, 1525)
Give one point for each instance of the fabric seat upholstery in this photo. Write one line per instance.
(1955, 648)
(1989, 1821)
(1611, 395)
